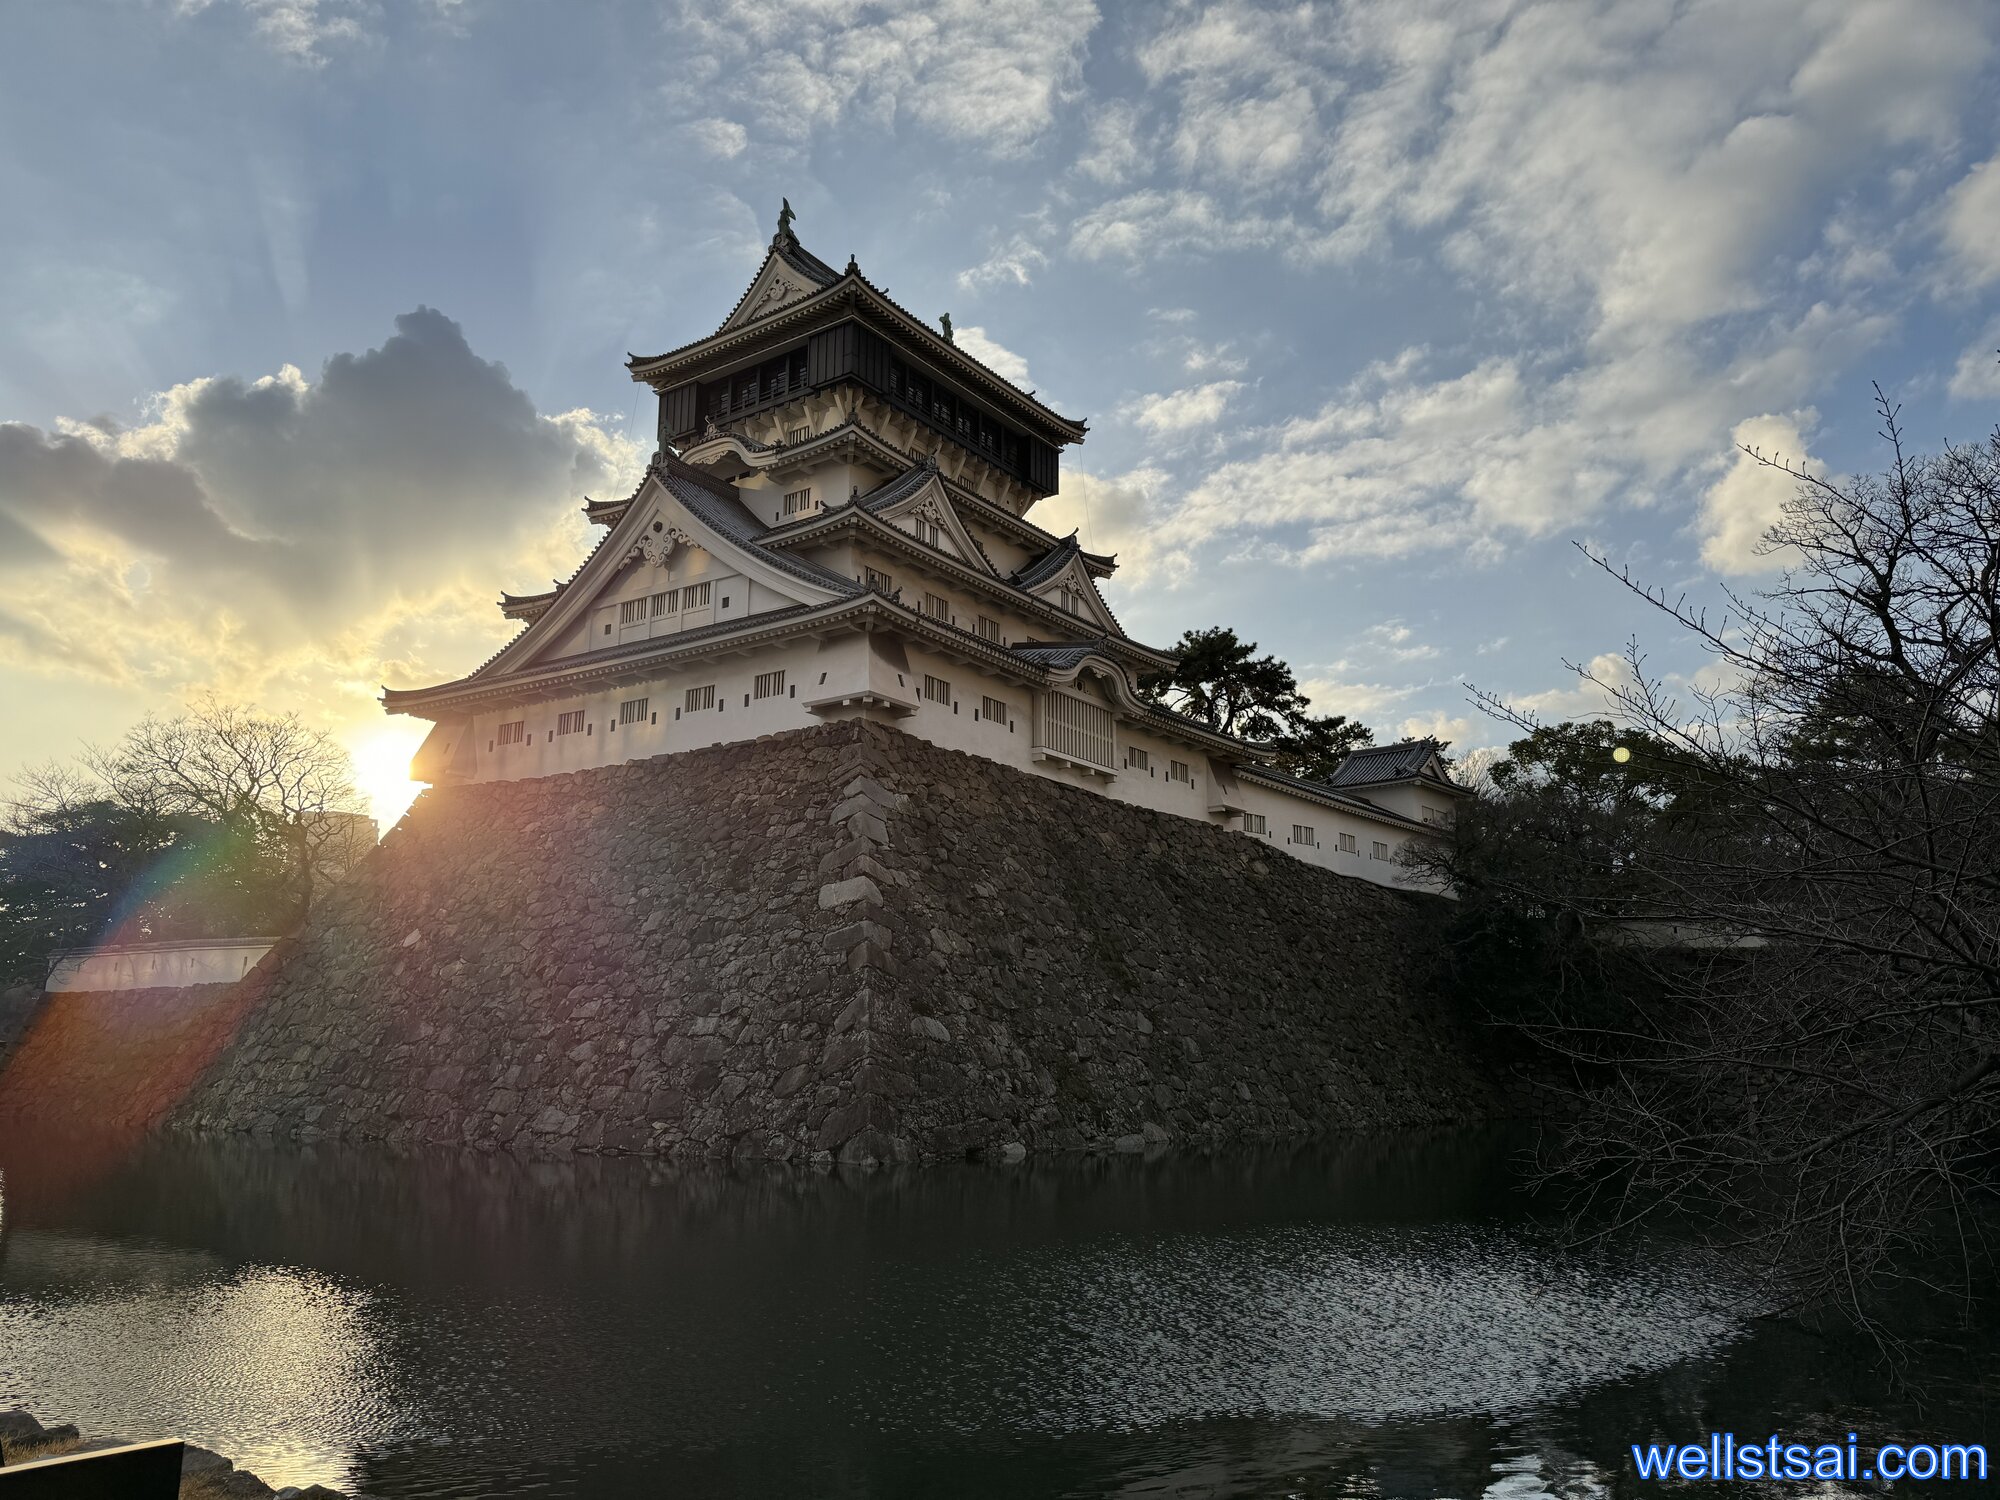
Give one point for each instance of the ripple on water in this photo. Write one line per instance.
(1332, 1322)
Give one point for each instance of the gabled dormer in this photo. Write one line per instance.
(1063, 577)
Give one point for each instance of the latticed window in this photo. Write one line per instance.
(1302, 834)
(1256, 823)
(937, 689)
(632, 711)
(1378, 850)
(993, 710)
(514, 733)
(632, 612)
(1177, 770)
(989, 629)
(937, 607)
(1078, 729)
(1349, 844)
(769, 685)
(796, 435)
(699, 699)
(695, 596)
(570, 723)
(798, 502)
(929, 532)
(666, 604)
(882, 583)
(1137, 759)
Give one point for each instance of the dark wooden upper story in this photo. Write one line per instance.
(845, 331)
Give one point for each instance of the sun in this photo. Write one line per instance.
(382, 769)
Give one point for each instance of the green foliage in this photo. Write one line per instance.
(1219, 680)
(75, 873)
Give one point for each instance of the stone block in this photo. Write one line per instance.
(847, 892)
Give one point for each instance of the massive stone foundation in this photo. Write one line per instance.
(841, 942)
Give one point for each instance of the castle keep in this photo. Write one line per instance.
(836, 527)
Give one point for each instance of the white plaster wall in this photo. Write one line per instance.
(960, 725)
(157, 966)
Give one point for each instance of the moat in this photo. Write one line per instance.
(1385, 1315)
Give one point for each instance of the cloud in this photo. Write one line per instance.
(297, 30)
(1116, 515)
(1972, 223)
(1182, 411)
(1001, 360)
(1977, 377)
(723, 139)
(1012, 264)
(1164, 222)
(288, 526)
(1114, 151)
(1749, 499)
(986, 73)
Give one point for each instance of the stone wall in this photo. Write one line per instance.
(839, 942)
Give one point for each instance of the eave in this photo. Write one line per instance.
(854, 293)
(851, 519)
(1312, 791)
(569, 675)
(529, 606)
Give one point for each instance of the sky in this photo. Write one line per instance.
(316, 311)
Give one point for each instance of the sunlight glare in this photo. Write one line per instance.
(382, 769)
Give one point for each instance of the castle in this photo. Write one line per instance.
(835, 526)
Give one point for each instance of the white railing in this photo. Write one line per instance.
(1076, 729)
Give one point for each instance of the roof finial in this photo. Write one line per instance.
(785, 217)
(944, 322)
(853, 266)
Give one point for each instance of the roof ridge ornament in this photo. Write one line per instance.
(944, 324)
(785, 217)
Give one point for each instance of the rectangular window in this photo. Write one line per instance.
(700, 699)
(798, 502)
(989, 630)
(570, 723)
(1177, 770)
(937, 607)
(632, 711)
(993, 710)
(667, 603)
(1349, 844)
(695, 596)
(632, 612)
(937, 689)
(770, 685)
(1437, 817)
(1137, 759)
(514, 733)
(1256, 823)
(1077, 730)
(929, 532)
(1378, 850)
(797, 435)
(1302, 834)
(882, 583)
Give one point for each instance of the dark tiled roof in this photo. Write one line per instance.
(1050, 563)
(717, 506)
(1322, 792)
(1060, 656)
(787, 248)
(1377, 763)
(901, 487)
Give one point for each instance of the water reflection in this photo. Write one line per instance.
(1379, 1318)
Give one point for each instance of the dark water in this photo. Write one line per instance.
(1383, 1317)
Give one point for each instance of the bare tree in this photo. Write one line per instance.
(1811, 1066)
(271, 776)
